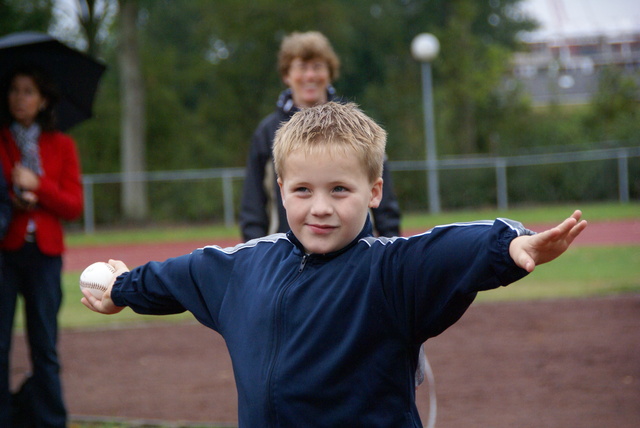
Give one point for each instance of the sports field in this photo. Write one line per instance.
(525, 361)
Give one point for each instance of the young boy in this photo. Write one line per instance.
(324, 323)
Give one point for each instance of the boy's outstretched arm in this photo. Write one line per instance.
(105, 305)
(529, 251)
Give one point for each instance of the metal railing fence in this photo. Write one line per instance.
(499, 163)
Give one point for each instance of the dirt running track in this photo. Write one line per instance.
(564, 363)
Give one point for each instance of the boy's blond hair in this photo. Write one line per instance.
(307, 46)
(334, 128)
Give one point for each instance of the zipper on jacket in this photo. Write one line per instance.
(278, 329)
(303, 263)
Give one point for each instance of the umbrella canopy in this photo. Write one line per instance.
(75, 74)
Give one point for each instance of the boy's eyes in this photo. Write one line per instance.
(336, 189)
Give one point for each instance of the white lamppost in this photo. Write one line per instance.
(425, 48)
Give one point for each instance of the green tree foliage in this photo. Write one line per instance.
(210, 70)
(617, 94)
(25, 15)
(477, 40)
(614, 109)
(210, 74)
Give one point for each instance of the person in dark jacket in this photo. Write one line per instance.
(324, 323)
(307, 65)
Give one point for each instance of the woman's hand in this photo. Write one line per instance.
(25, 178)
(25, 200)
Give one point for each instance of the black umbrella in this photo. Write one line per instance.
(75, 74)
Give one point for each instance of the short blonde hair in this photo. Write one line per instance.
(335, 128)
(307, 46)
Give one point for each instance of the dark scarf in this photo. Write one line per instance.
(27, 141)
(285, 100)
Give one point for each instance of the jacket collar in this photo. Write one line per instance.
(366, 231)
(285, 100)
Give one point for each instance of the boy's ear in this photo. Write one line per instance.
(376, 193)
(281, 191)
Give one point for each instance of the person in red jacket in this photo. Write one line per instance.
(42, 171)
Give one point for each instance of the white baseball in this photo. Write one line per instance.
(97, 278)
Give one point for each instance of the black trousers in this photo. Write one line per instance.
(37, 277)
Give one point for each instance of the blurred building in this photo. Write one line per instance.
(577, 39)
(566, 70)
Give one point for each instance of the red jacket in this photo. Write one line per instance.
(59, 195)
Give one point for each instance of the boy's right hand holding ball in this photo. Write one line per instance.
(531, 250)
(105, 305)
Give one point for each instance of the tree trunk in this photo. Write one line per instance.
(132, 143)
(89, 23)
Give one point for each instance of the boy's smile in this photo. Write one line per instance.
(327, 198)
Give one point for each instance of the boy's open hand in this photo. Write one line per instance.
(105, 305)
(529, 251)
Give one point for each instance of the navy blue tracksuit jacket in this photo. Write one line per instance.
(329, 340)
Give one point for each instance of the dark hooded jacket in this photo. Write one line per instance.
(328, 340)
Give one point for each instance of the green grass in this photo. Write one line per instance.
(75, 315)
(150, 234)
(527, 215)
(580, 272)
(410, 221)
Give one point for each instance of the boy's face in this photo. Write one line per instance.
(327, 199)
